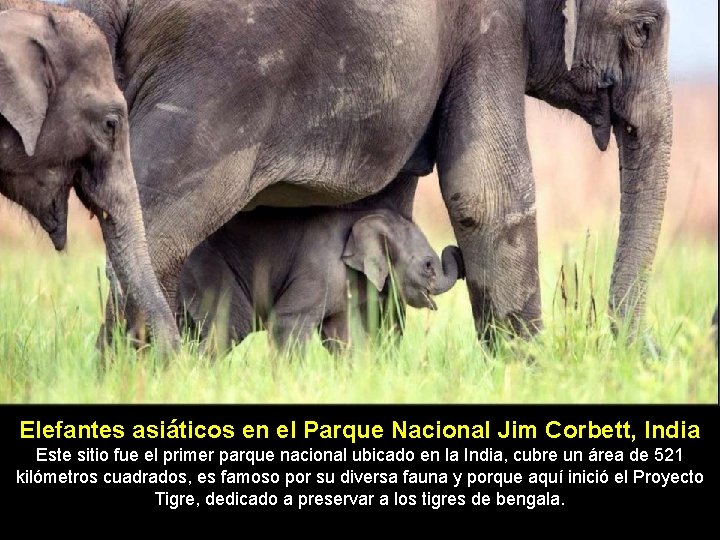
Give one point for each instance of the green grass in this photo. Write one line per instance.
(50, 311)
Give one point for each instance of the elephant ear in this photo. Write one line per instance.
(570, 12)
(366, 249)
(25, 74)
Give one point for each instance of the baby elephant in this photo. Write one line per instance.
(298, 270)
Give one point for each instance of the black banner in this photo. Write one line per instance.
(514, 460)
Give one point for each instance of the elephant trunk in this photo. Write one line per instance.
(453, 269)
(644, 149)
(114, 198)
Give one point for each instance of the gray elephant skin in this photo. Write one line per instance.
(64, 125)
(235, 104)
(299, 270)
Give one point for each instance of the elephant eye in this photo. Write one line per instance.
(110, 123)
(639, 34)
(428, 264)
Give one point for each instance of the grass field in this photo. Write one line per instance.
(51, 309)
(51, 305)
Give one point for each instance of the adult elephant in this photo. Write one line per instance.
(235, 104)
(64, 125)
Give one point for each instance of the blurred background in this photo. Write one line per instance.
(577, 185)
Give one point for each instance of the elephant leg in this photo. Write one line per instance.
(291, 332)
(335, 333)
(226, 328)
(186, 212)
(235, 324)
(215, 308)
(488, 188)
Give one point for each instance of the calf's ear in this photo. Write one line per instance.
(25, 73)
(366, 249)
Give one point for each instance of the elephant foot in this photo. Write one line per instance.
(492, 330)
(493, 324)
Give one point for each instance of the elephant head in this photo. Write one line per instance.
(607, 62)
(379, 241)
(64, 125)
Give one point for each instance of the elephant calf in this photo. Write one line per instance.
(291, 270)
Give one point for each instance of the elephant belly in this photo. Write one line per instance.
(352, 113)
(347, 155)
(288, 195)
(314, 110)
